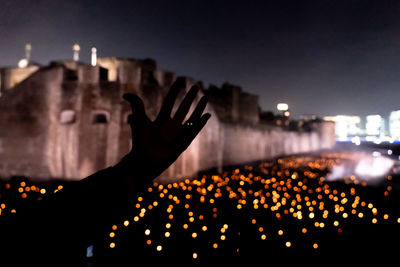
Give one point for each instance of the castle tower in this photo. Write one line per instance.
(76, 48)
(94, 56)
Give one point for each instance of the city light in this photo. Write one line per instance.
(375, 129)
(394, 124)
(346, 126)
(375, 125)
(23, 63)
(282, 107)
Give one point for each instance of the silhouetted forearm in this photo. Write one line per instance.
(71, 220)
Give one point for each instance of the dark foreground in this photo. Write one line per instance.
(283, 211)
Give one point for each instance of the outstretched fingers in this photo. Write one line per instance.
(200, 124)
(195, 123)
(169, 101)
(191, 129)
(138, 112)
(186, 103)
(198, 111)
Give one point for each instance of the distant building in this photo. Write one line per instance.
(375, 126)
(394, 124)
(346, 127)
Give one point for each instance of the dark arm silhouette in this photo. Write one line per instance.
(66, 224)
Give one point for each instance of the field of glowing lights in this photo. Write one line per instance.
(271, 210)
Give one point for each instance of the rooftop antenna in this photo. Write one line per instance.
(28, 49)
(94, 56)
(76, 48)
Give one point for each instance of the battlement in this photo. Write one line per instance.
(234, 105)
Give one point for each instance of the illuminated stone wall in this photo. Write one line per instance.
(24, 125)
(246, 143)
(68, 120)
(10, 77)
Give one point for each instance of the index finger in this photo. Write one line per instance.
(169, 101)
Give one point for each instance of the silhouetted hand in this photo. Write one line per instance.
(62, 226)
(157, 144)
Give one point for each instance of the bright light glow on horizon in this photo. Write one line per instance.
(367, 166)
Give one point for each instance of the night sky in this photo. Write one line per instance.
(321, 57)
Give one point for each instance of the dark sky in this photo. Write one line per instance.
(322, 57)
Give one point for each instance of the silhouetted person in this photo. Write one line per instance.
(57, 231)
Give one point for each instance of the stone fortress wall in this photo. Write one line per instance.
(68, 120)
